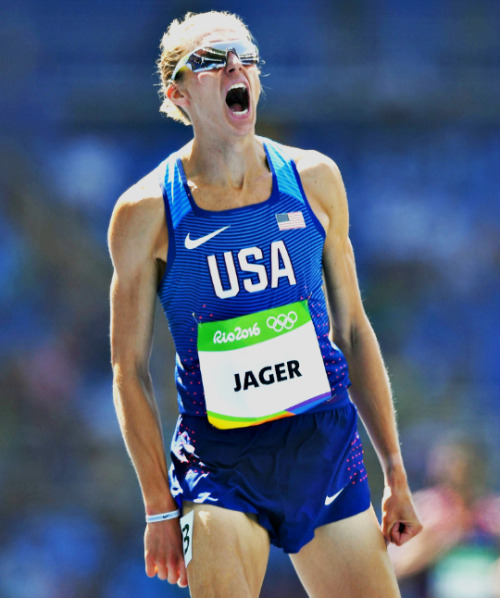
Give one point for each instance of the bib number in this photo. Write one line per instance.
(186, 523)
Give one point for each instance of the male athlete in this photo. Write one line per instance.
(238, 235)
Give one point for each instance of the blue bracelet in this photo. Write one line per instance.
(162, 516)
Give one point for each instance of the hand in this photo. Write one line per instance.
(400, 521)
(163, 552)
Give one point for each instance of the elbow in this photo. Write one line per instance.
(128, 361)
(345, 339)
(350, 336)
(129, 373)
(117, 368)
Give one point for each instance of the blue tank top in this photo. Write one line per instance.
(229, 263)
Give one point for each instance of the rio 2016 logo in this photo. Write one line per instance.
(237, 334)
(282, 321)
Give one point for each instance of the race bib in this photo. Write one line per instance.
(262, 366)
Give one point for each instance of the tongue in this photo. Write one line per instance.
(236, 107)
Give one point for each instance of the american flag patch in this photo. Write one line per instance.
(289, 220)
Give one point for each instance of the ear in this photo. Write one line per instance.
(177, 96)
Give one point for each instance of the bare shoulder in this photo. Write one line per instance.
(137, 225)
(322, 184)
(319, 174)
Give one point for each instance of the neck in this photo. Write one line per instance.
(224, 163)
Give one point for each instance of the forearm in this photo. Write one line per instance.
(140, 425)
(371, 393)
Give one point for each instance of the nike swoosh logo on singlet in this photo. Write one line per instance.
(194, 243)
(330, 499)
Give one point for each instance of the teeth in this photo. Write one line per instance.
(241, 112)
(237, 86)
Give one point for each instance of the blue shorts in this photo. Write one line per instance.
(295, 474)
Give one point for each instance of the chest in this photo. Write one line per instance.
(216, 198)
(248, 252)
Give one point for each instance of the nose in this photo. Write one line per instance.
(232, 62)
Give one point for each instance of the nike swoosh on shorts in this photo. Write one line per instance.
(194, 243)
(330, 499)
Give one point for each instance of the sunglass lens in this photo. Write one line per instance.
(215, 56)
(206, 58)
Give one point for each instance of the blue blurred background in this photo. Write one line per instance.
(404, 96)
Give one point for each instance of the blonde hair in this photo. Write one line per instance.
(185, 35)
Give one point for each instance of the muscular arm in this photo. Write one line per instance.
(354, 334)
(136, 236)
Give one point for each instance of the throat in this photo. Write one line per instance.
(236, 170)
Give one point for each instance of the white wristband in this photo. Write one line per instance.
(162, 516)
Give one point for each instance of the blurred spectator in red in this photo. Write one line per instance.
(457, 555)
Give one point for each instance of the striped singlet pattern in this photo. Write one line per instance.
(240, 243)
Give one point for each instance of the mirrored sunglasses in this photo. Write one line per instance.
(214, 56)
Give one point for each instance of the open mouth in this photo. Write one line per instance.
(237, 99)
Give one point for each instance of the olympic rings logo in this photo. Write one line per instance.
(282, 321)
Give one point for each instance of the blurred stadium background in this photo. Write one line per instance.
(405, 96)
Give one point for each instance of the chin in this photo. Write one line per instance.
(244, 123)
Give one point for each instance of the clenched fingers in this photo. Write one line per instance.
(163, 553)
(174, 572)
(401, 532)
